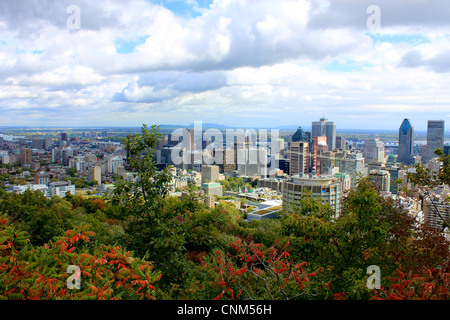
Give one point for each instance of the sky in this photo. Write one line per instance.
(364, 64)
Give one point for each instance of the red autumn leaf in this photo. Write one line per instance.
(240, 271)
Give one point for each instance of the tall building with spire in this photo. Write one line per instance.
(406, 143)
(326, 128)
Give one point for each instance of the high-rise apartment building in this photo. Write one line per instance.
(95, 174)
(113, 163)
(406, 143)
(435, 138)
(26, 156)
(323, 127)
(299, 157)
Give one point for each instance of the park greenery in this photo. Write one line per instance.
(141, 243)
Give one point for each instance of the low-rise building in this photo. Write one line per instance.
(33, 187)
(212, 189)
(61, 188)
(266, 210)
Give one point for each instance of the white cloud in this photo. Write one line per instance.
(236, 61)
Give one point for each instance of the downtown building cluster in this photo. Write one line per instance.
(318, 162)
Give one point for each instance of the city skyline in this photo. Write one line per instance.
(230, 62)
(205, 126)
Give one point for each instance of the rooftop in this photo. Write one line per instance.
(267, 210)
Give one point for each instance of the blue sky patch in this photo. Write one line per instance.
(185, 8)
(19, 51)
(128, 46)
(347, 66)
(414, 39)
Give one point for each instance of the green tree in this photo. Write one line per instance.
(72, 172)
(152, 230)
(145, 194)
(368, 232)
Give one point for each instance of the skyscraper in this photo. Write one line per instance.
(435, 138)
(374, 150)
(447, 150)
(300, 135)
(406, 143)
(299, 157)
(325, 128)
(319, 146)
(340, 143)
